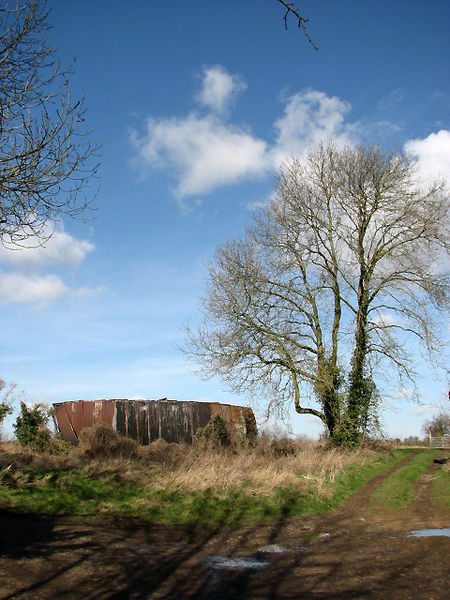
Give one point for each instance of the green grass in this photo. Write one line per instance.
(397, 490)
(440, 491)
(75, 492)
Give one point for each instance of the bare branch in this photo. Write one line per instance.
(46, 158)
(301, 21)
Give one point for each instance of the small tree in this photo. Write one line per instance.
(30, 427)
(438, 425)
(335, 279)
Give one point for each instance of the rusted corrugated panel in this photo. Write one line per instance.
(104, 411)
(201, 415)
(153, 422)
(175, 421)
(142, 421)
(146, 420)
(120, 417)
(234, 417)
(64, 423)
(131, 420)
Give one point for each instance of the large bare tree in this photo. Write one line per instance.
(334, 278)
(46, 159)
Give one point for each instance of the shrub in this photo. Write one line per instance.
(30, 427)
(215, 433)
(103, 441)
(276, 447)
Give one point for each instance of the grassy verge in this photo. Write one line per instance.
(440, 491)
(397, 490)
(185, 485)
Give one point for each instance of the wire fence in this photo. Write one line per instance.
(439, 442)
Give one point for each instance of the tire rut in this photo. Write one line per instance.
(362, 496)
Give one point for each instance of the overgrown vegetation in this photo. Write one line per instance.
(101, 441)
(174, 483)
(215, 432)
(30, 427)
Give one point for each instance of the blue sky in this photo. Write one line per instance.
(195, 104)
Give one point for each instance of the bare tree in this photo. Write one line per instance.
(438, 425)
(46, 159)
(333, 276)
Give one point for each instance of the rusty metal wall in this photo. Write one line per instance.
(147, 420)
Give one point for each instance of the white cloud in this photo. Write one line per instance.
(391, 100)
(219, 88)
(432, 155)
(403, 393)
(85, 292)
(424, 409)
(61, 248)
(21, 280)
(20, 288)
(385, 320)
(311, 117)
(203, 152)
(17, 288)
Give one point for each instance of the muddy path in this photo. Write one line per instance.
(361, 551)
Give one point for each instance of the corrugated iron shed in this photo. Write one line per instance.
(148, 420)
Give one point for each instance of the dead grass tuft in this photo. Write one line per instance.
(102, 441)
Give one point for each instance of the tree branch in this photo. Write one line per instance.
(301, 21)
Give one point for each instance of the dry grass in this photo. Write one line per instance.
(262, 469)
(179, 483)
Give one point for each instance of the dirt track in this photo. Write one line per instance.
(360, 551)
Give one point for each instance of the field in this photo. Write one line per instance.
(281, 520)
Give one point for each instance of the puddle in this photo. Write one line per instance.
(164, 546)
(277, 549)
(431, 532)
(226, 562)
(274, 549)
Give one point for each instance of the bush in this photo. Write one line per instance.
(251, 428)
(276, 447)
(103, 441)
(30, 428)
(215, 433)
(165, 453)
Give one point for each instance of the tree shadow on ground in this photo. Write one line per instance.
(45, 557)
